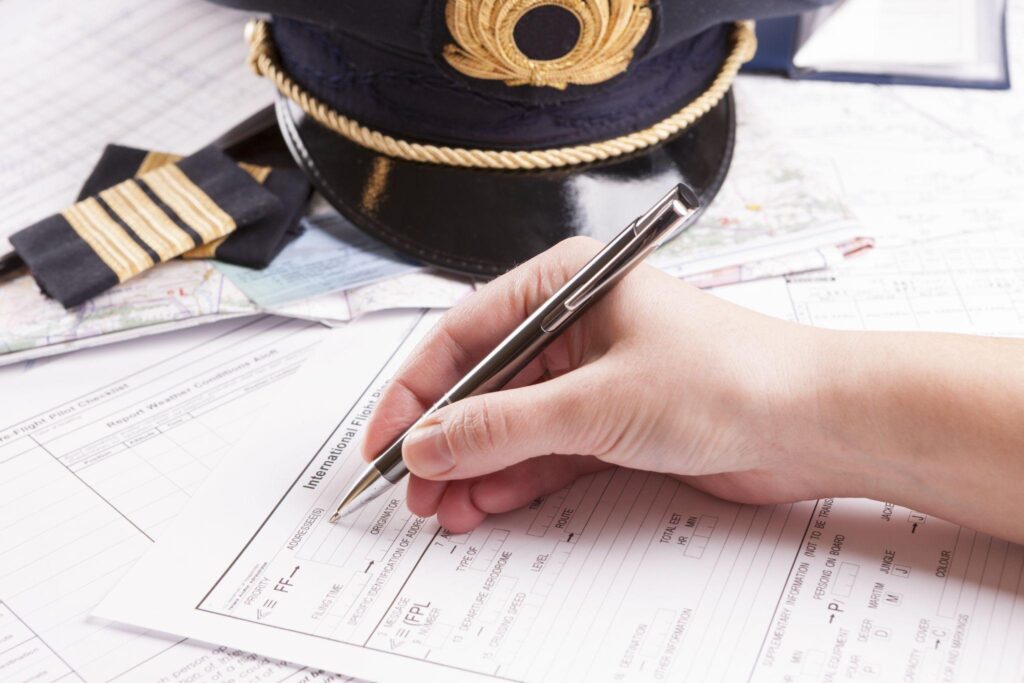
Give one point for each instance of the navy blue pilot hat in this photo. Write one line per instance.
(474, 134)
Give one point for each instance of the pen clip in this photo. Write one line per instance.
(597, 283)
(649, 231)
(608, 273)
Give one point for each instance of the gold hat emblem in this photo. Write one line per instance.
(485, 47)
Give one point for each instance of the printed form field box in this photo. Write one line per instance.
(483, 559)
(546, 511)
(701, 536)
(846, 576)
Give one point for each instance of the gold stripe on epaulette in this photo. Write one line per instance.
(209, 250)
(150, 223)
(191, 204)
(206, 251)
(107, 239)
(258, 173)
(154, 160)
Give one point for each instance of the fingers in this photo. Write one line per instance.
(487, 433)
(505, 490)
(465, 504)
(423, 496)
(457, 513)
(516, 486)
(398, 408)
(467, 333)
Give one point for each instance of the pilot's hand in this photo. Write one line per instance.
(657, 376)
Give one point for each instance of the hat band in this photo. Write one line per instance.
(264, 62)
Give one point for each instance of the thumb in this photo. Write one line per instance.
(487, 433)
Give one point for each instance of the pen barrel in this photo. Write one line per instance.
(541, 327)
(390, 463)
(485, 377)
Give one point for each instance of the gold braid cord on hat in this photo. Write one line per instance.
(264, 61)
(485, 45)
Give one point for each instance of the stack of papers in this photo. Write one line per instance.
(178, 294)
(128, 438)
(332, 255)
(99, 451)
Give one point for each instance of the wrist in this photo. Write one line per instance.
(827, 423)
(854, 415)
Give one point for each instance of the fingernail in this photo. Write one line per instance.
(427, 449)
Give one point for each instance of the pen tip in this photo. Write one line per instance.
(370, 485)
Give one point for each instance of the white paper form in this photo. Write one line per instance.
(533, 595)
(622, 576)
(98, 452)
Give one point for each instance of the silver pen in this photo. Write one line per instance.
(671, 214)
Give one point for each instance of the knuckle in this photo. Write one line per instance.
(398, 404)
(534, 281)
(532, 284)
(478, 428)
(455, 353)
